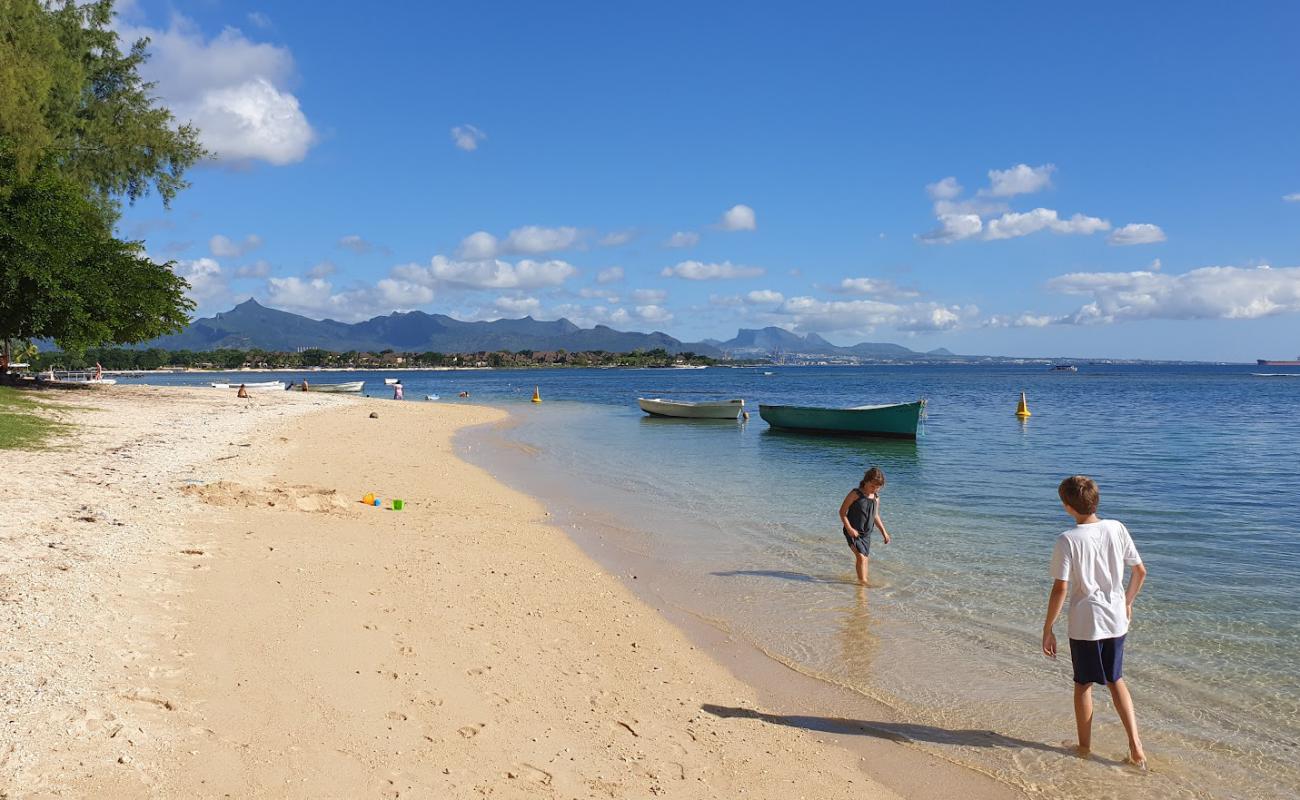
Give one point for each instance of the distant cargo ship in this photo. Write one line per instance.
(1266, 363)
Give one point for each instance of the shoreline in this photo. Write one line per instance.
(272, 623)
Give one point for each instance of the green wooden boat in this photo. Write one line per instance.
(898, 420)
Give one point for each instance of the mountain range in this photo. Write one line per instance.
(252, 325)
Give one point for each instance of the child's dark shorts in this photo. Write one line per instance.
(860, 545)
(1101, 661)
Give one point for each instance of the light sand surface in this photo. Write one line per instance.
(250, 630)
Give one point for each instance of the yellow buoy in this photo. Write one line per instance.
(1022, 408)
(537, 394)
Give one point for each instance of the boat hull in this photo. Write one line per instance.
(656, 407)
(897, 421)
(352, 386)
(260, 386)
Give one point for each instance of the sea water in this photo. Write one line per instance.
(739, 521)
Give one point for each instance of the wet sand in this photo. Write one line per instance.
(233, 622)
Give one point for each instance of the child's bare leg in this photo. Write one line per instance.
(862, 567)
(1083, 717)
(1124, 707)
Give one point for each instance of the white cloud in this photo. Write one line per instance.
(232, 89)
(1294, 197)
(683, 239)
(738, 218)
(946, 189)
(361, 246)
(617, 238)
(1020, 179)
(764, 297)
(1137, 233)
(206, 278)
(726, 301)
(700, 271)
(653, 313)
(258, 269)
(873, 286)
(1020, 321)
(224, 247)
(259, 19)
(487, 273)
(610, 275)
(649, 296)
(478, 245)
(587, 316)
(518, 305)
(595, 292)
(1205, 293)
(528, 240)
(954, 228)
(317, 297)
(324, 269)
(1014, 224)
(534, 239)
(467, 137)
(810, 314)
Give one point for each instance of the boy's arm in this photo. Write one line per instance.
(1055, 602)
(1134, 586)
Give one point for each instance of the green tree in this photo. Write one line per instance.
(64, 277)
(79, 132)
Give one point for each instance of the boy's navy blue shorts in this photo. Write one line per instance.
(862, 544)
(1101, 661)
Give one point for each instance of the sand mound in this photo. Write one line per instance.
(292, 498)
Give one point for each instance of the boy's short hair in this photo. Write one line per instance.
(1080, 493)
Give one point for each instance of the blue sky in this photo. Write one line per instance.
(1115, 180)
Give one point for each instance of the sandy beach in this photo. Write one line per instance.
(196, 604)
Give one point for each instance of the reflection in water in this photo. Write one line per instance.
(857, 642)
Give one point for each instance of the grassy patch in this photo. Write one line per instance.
(20, 427)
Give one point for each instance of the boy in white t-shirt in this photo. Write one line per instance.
(1088, 562)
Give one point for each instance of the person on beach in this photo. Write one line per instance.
(859, 515)
(1088, 563)
(243, 391)
(397, 390)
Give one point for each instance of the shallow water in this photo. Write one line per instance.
(1199, 462)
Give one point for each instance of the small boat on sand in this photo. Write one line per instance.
(252, 387)
(659, 407)
(896, 420)
(350, 386)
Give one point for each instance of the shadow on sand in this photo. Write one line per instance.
(893, 731)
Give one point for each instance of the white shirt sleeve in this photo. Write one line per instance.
(1131, 556)
(1061, 559)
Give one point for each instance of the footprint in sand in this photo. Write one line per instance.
(395, 716)
(470, 731)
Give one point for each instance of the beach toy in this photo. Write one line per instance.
(378, 502)
(537, 395)
(369, 499)
(1022, 408)
(398, 505)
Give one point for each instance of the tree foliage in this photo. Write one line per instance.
(63, 276)
(80, 132)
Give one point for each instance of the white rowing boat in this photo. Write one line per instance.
(431, 397)
(659, 407)
(389, 381)
(350, 386)
(259, 386)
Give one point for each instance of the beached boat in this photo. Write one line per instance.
(79, 378)
(259, 386)
(897, 420)
(350, 386)
(658, 407)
